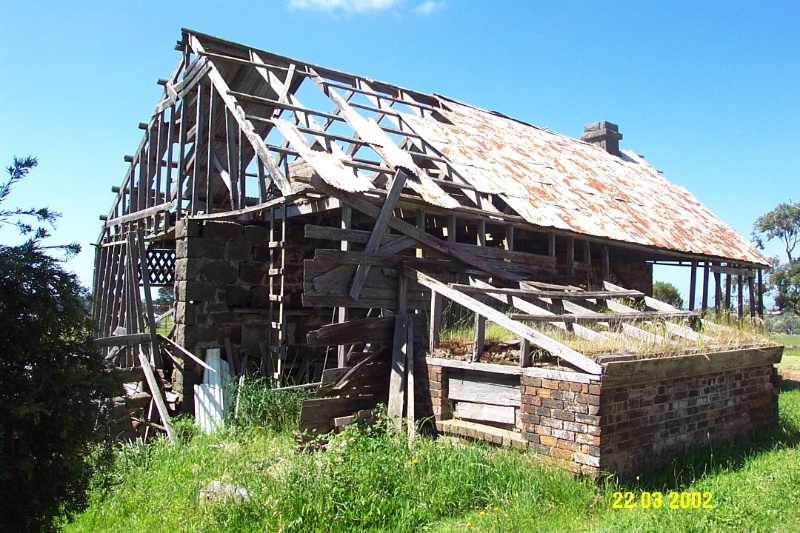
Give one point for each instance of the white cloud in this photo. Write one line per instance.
(428, 7)
(356, 6)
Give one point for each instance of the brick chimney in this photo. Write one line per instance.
(605, 134)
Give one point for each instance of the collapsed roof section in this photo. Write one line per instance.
(254, 129)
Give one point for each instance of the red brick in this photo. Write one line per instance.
(548, 441)
(534, 382)
(550, 384)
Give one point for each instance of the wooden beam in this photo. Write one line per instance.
(528, 307)
(538, 339)
(605, 317)
(139, 215)
(155, 352)
(397, 379)
(570, 256)
(692, 285)
(186, 352)
(411, 420)
(343, 314)
(705, 286)
(480, 337)
(606, 266)
(563, 295)
(760, 294)
(123, 340)
(378, 231)
(367, 208)
(247, 127)
(437, 302)
(155, 391)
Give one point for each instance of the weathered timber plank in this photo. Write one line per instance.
(530, 308)
(369, 209)
(491, 368)
(346, 271)
(362, 303)
(674, 329)
(186, 352)
(601, 317)
(247, 127)
(623, 373)
(485, 413)
(155, 351)
(123, 340)
(536, 338)
(410, 383)
(328, 233)
(155, 390)
(564, 295)
(378, 230)
(365, 330)
(494, 389)
(397, 380)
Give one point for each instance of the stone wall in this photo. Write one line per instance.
(220, 266)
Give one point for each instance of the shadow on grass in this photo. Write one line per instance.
(701, 461)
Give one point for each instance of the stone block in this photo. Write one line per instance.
(187, 269)
(254, 233)
(219, 272)
(198, 291)
(237, 251)
(222, 230)
(252, 273)
(236, 296)
(259, 297)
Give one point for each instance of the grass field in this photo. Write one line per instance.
(791, 352)
(369, 480)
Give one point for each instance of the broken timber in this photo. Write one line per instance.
(536, 338)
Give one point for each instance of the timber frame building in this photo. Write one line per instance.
(310, 220)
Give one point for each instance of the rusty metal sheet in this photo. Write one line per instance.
(554, 181)
(329, 168)
(371, 133)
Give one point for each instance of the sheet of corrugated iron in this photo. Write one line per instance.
(329, 168)
(555, 181)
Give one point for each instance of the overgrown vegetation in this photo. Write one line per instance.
(368, 479)
(259, 406)
(51, 377)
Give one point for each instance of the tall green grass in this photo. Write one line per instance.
(259, 406)
(368, 479)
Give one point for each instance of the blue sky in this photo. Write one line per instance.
(708, 92)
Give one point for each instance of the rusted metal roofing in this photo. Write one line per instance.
(377, 129)
(558, 182)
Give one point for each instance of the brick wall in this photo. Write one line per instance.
(561, 420)
(645, 425)
(430, 391)
(641, 414)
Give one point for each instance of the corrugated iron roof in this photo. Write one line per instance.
(557, 182)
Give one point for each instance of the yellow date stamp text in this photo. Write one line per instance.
(657, 500)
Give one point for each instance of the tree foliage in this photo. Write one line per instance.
(783, 281)
(781, 223)
(667, 292)
(51, 379)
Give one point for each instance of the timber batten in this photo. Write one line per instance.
(323, 244)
